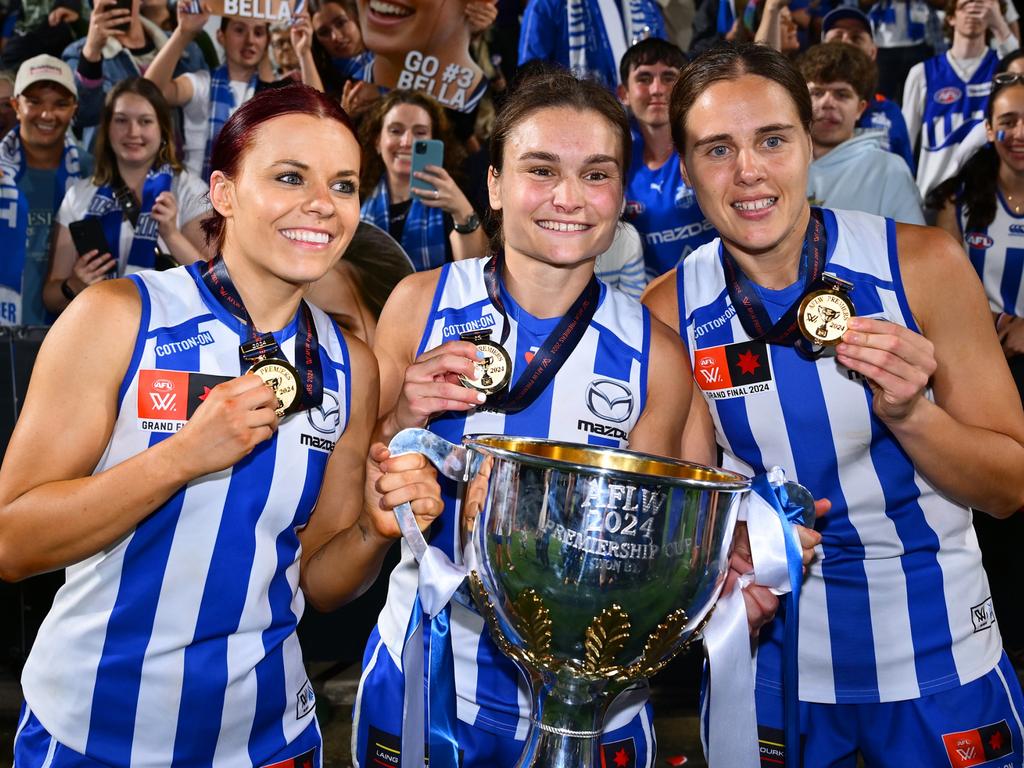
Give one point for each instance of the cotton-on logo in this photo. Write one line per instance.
(163, 395)
(947, 95)
(979, 240)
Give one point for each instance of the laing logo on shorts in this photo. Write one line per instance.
(384, 750)
(947, 95)
(978, 240)
(979, 745)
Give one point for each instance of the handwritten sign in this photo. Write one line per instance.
(271, 11)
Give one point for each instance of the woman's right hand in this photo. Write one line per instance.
(105, 22)
(91, 267)
(432, 385)
(233, 418)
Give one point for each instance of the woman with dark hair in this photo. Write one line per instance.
(983, 208)
(433, 225)
(210, 476)
(884, 414)
(149, 205)
(558, 195)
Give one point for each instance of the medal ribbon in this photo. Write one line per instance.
(555, 350)
(260, 346)
(750, 308)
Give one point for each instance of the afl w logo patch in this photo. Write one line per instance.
(979, 745)
(167, 399)
(733, 370)
(610, 400)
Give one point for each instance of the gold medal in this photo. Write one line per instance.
(824, 315)
(281, 377)
(492, 372)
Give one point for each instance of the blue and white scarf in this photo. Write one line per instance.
(222, 104)
(105, 207)
(14, 214)
(423, 237)
(600, 31)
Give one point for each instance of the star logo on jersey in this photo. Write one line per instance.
(978, 745)
(619, 754)
(748, 362)
(206, 394)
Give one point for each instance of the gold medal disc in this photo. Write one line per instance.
(824, 316)
(492, 372)
(281, 377)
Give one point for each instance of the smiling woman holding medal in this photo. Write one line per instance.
(196, 505)
(529, 343)
(859, 355)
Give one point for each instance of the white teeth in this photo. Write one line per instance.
(305, 236)
(561, 226)
(755, 205)
(387, 9)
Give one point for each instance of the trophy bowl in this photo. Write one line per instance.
(592, 567)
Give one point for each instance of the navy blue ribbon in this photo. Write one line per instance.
(442, 742)
(790, 513)
(555, 350)
(259, 346)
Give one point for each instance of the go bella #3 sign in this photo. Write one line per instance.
(271, 11)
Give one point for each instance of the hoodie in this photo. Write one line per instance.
(859, 175)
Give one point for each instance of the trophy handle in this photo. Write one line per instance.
(453, 461)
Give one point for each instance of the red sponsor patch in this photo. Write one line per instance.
(619, 754)
(163, 395)
(731, 369)
(978, 745)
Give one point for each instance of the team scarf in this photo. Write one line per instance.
(423, 237)
(105, 207)
(14, 207)
(600, 31)
(222, 104)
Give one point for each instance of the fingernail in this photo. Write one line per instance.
(854, 322)
(481, 397)
(480, 354)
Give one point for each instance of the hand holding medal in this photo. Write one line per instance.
(432, 385)
(897, 362)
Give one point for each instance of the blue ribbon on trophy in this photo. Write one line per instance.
(730, 733)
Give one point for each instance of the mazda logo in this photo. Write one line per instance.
(326, 416)
(610, 400)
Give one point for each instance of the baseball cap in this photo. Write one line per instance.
(44, 69)
(844, 12)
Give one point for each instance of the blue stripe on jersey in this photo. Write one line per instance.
(929, 620)
(119, 673)
(644, 358)
(817, 466)
(346, 370)
(140, 340)
(438, 293)
(204, 679)
(1009, 286)
(897, 278)
(681, 300)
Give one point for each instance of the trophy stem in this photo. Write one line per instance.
(568, 717)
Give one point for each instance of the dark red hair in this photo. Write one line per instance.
(238, 132)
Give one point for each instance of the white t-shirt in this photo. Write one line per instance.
(191, 194)
(197, 116)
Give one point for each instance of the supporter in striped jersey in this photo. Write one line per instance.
(194, 520)
(909, 420)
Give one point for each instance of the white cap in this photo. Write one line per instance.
(44, 69)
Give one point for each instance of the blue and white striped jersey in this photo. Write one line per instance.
(176, 645)
(596, 398)
(997, 254)
(897, 605)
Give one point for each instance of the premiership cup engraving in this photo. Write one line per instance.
(593, 567)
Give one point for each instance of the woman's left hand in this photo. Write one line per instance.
(397, 479)
(447, 196)
(897, 363)
(165, 214)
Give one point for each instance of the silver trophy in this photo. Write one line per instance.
(592, 567)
